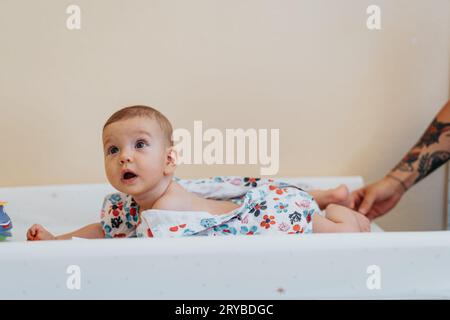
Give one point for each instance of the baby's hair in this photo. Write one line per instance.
(143, 111)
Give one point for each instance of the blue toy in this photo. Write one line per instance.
(5, 223)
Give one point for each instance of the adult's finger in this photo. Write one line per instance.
(366, 205)
(356, 198)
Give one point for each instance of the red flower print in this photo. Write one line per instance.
(257, 208)
(277, 190)
(120, 235)
(251, 181)
(267, 221)
(133, 211)
(175, 228)
(116, 208)
(297, 229)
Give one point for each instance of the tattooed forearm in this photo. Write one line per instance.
(433, 133)
(429, 153)
(407, 162)
(430, 162)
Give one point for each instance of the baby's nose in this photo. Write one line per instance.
(125, 159)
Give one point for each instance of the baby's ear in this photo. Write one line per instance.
(171, 160)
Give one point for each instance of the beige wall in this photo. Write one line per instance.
(348, 101)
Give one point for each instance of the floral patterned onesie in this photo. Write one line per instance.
(266, 207)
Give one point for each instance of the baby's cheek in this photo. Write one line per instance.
(110, 174)
(151, 165)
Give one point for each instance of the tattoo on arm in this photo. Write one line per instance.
(407, 162)
(426, 162)
(433, 133)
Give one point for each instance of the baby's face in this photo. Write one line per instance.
(135, 155)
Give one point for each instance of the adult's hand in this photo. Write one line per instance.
(428, 154)
(377, 198)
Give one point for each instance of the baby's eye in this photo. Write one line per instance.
(141, 144)
(113, 150)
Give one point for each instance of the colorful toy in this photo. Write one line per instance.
(5, 223)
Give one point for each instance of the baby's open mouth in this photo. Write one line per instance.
(128, 176)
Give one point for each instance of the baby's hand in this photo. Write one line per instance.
(363, 222)
(38, 232)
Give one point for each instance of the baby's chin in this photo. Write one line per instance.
(134, 190)
(123, 188)
(130, 189)
(138, 188)
(121, 185)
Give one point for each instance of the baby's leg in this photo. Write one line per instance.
(339, 195)
(340, 219)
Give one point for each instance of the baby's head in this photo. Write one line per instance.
(138, 148)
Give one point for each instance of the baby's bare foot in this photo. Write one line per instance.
(363, 221)
(340, 195)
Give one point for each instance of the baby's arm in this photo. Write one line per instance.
(91, 231)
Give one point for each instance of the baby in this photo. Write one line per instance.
(140, 161)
